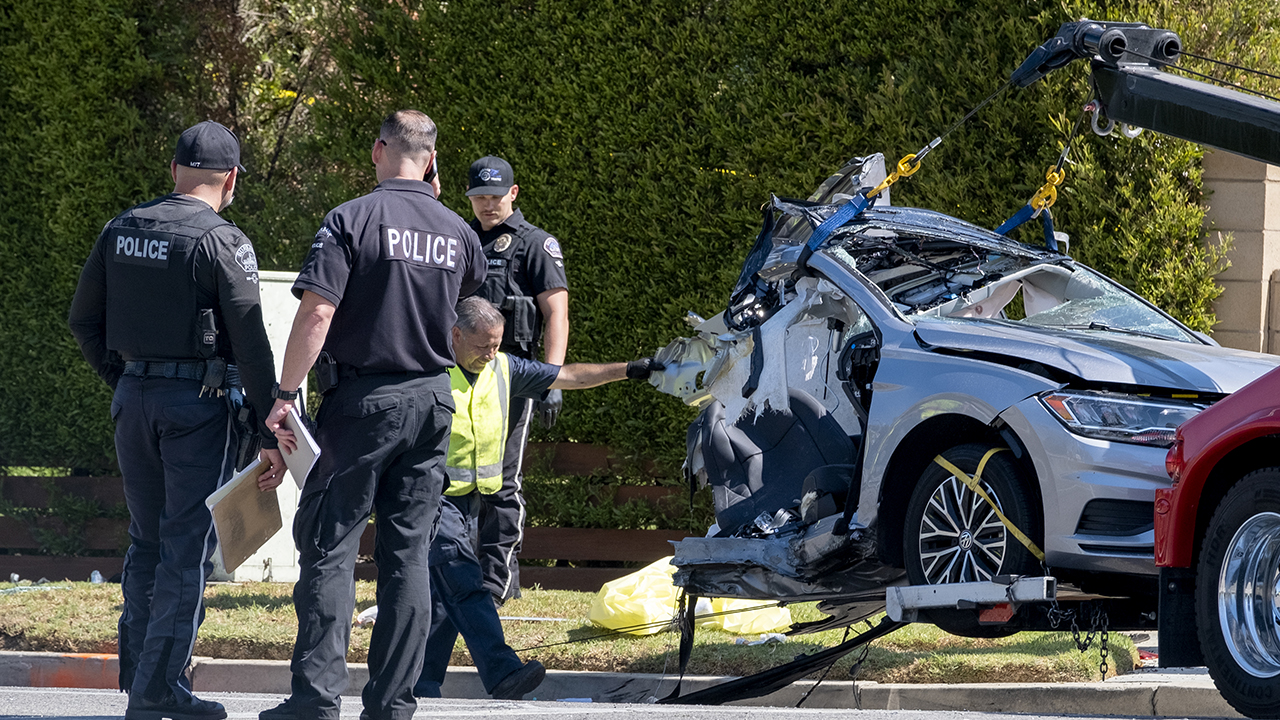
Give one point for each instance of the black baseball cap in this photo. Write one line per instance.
(490, 175)
(208, 146)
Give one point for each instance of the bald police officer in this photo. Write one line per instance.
(378, 291)
(527, 283)
(167, 312)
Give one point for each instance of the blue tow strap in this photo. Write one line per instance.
(847, 212)
(1018, 218)
(1050, 241)
(1026, 213)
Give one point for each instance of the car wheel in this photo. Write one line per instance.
(952, 535)
(1238, 595)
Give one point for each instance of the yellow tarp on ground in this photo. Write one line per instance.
(644, 603)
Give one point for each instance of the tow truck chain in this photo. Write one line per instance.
(1098, 623)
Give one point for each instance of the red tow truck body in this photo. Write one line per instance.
(1236, 435)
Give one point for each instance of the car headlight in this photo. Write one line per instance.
(1120, 418)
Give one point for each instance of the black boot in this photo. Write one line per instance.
(170, 709)
(521, 682)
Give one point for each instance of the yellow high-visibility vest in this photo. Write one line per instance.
(478, 439)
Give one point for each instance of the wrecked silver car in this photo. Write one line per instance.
(922, 400)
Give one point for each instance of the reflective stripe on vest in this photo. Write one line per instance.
(478, 438)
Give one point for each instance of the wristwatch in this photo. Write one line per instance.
(279, 394)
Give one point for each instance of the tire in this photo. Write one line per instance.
(1237, 592)
(952, 535)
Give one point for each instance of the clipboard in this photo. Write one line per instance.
(244, 517)
(303, 458)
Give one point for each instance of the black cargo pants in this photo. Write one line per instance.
(382, 441)
(502, 513)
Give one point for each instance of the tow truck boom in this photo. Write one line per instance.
(1127, 60)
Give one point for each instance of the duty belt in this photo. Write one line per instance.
(351, 371)
(183, 370)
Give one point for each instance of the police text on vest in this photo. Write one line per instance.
(144, 249)
(420, 247)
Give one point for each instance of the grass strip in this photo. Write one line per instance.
(257, 621)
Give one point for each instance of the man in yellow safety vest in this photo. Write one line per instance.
(484, 382)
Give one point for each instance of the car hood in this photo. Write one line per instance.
(1105, 357)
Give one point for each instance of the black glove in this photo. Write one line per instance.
(642, 368)
(549, 408)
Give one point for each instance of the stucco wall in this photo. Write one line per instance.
(1243, 198)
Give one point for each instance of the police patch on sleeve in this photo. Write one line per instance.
(552, 246)
(246, 259)
(321, 234)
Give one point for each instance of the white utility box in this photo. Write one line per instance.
(277, 560)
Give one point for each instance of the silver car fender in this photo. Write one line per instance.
(914, 386)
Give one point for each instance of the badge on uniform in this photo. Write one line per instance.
(503, 242)
(246, 258)
(552, 246)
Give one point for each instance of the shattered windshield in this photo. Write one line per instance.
(1110, 310)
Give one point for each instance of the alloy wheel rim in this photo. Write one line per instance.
(961, 537)
(1248, 600)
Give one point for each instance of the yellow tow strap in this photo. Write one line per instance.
(973, 484)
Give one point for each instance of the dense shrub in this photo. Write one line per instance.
(77, 149)
(645, 134)
(93, 94)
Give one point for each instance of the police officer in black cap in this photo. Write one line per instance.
(527, 283)
(167, 312)
(378, 291)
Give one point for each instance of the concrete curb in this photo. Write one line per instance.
(1144, 693)
(60, 670)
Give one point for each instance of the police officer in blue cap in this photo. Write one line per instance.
(167, 312)
(527, 283)
(378, 291)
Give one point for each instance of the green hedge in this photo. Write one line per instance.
(77, 149)
(93, 95)
(644, 134)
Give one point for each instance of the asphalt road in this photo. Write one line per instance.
(19, 702)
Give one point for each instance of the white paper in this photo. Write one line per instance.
(303, 458)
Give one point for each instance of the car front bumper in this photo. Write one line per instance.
(1075, 470)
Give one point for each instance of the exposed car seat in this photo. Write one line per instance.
(756, 466)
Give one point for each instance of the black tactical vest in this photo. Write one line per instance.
(152, 308)
(502, 288)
